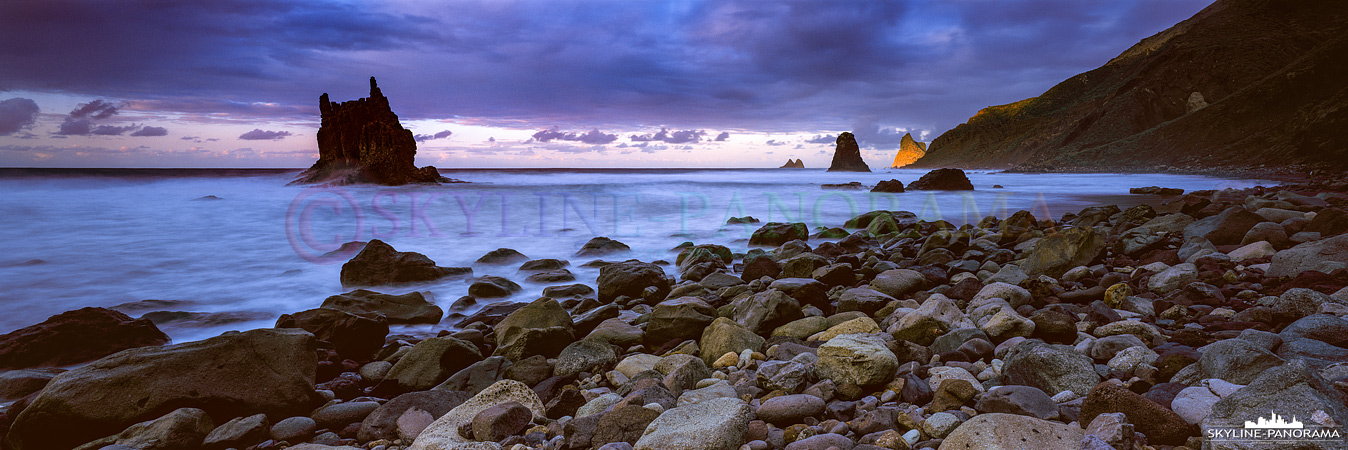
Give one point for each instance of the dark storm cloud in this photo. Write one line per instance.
(822, 139)
(97, 109)
(427, 137)
(75, 127)
(671, 137)
(264, 135)
(723, 136)
(112, 130)
(592, 137)
(871, 135)
(17, 114)
(770, 66)
(151, 131)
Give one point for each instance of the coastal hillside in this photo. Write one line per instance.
(1242, 84)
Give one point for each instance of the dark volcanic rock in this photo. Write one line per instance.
(1188, 97)
(411, 307)
(895, 186)
(353, 336)
(634, 279)
(943, 180)
(847, 156)
(778, 233)
(361, 141)
(74, 337)
(379, 264)
(600, 246)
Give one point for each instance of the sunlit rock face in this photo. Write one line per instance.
(909, 151)
(361, 141)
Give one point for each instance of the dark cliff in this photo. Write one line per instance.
(847, 156)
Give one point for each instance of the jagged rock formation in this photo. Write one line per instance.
(847, 156)
(1239, 85)
(796, 164)
(910, 150)
(361, 141)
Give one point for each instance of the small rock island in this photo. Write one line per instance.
(847, 156)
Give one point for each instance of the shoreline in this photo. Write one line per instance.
(894, 334)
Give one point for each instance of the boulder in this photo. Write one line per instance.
(858, 359)
(891, 186)
(1294, 389)
(847, 155)
(183, 428)
(1050, 368)
(74, 337)
(444, 432)
(602, 246)
(1227, 228)
(715, 424)
(898, 282)
(680, 318)
(235, 374)
(726, 336)
(1056, 254)
(239, 432)
(500, 421)
(540, 328)
(1173, 278)
(1236, 360)
(429, 363)
(1022, 400)
(765, 311)
(476, 377)
(634, 279)
(943, 180)
(774, 234)
(1323, 256)
(17, 384)
(1159, 424)
(409, 308)
(585, 355)
(935, 317)
(379, 264)
(383, 422)
(352, 336)
(866, 300)
(493, 287)
(361, 141)
(625, 424)
(502, 256)
(998, 431)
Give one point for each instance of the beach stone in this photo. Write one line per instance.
(1055, 254)
(578, 290)
(1318, 339)
(1293, 389)
(76, 336)
(1173, 278)
(997, 431)
(802, 328)
(625, 424)
(1225, 228)
(1105, 348)
(634, 279)
(940, 374)
(235, 374)
(1005, 324)
(637, 363)
(585, 355)
(1009, 274)
(444, 432)
(17, 384)
(489, 286)
(409, 308)
(860, 325)
(293, 428)
(541, 265)
(182, 428)
(1144, 331)
(859, 359)
(1109, 431)
(1130, 358)
(380, 264)
(765, 311)
(1194, 403)
(682, 371)
(1169, 223)
(807, 291)
(726, 336)
(719, 389)
(1022, 400)
(1328, 222)
(1323, 255)
(774, 234)
(502, 256)
(476, 377)
(1014, 295)
(952, 394)
(822, 441)
(617, 332)
(788, 376)
(428, 364)
(1296, 303)
(1050, 368)
(355, 337)
(411, 423)
(1256, 250)
(602, 246)
(1054, 327)
(1159, 424)
(540, 328)
(866, 300)
(758, 264)
(1236, 360)
(239, 432)
(681, 318)
(898, 282)
(339, 415)
(789, 409)
(716, 424)
(937, 315)
(802, 265)
(499, 421)
(383, 422)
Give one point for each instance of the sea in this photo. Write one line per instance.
(203, 251)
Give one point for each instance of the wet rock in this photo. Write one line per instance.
(382, 423)
(1055, 254)
(353, 336)
(379, 264)
(551, 276)
(777, 233)
(625, 424)
(859, 359)
(293, 429)
(726, 336)
(540, 328)
(409, 308)
(585, 355)
(998, 431)
(602, 246)
(942, 180)
(239, 432)
(633, 279)
(493, 287)
(765, 311)
(502, 256)
(476, 377)
(680, 318)
(716, 424)
(865, 300)
(235, 374)
(1050, 368)
(429, 363)
(539, 265)
(935, 317)
(789, 409)
(891, 186)
(1159, 424)
(182, 428)
(361, 141)
(847, 156)
(444, 432)
(500, 421)
(898, 282)
(74, 337)
(1022, 400)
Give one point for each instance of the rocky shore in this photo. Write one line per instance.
(1146, 327)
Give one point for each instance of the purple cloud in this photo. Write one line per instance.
(97, 109)
(112, 130)
(17, 114)
(427, 137)
(592, 137)
(676, 137)
(259, 134)
(151, 131)
(723, 136)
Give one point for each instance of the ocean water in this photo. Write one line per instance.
(259, 248)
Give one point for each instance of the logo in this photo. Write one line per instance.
(1277, 428)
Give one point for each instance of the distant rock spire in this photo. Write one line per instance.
(374, 89)
(847, 156)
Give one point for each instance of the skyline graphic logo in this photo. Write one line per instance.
(1274, 421)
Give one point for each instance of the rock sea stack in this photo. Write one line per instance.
(793, 164)
(847, 156)
(909, 151)
(362, 142)
(943, 180)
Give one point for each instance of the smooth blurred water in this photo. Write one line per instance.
(121, 237)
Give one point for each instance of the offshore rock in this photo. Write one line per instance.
(793, 164)
(909, 151)
(847, 156)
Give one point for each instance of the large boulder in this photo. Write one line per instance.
(1158, 423)
(1324, 255)
(383, 422)
(765, 311)
(409, 308)
(777, 233)
(362, 141)
(1050, 367)
(715, 424)
(1000, 431)
(847, 155)
(898, 282)
(429, 363)
(890, 186)
(235, 374)
(1295, 390)
(444, 432)
(181, 429)
(379, 264)
(857, 359)
(680, 318)
(935, 317)
(1056, 254)
(943, 180)
(1236, 360)
(352, 336)
(634, 279)
(1227, 228)
(74, 337)
(602, 246)
(540, 328)
(726, 336)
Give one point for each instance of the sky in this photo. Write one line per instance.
(533, 83)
